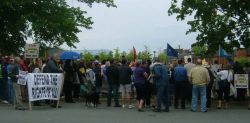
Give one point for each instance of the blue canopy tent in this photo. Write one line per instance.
(69, 55)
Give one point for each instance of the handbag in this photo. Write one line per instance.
(233, 90)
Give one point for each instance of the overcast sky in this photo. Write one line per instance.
(133, 23)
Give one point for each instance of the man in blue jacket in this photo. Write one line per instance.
(161, 79)
(181, 78)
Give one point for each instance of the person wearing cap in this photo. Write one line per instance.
(199, 77)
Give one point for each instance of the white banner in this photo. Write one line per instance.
(22, 80)
(44, 86)
(241, 80)
(31, 50)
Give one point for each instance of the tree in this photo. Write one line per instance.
(162, 56)
(103, 56)
(200, 51)
(110, 55)
(88, 57)
(48, 22)
(130, 55)
(117, 54)
(146, 55)
(217, 22)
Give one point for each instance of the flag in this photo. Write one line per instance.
(171, 51)
(224, 54)
(134, 51)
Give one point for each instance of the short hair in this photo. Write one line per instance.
(112, 61)
(180, 61)
(124, 61)
(199, 61)
(215, 61)
(189, 59)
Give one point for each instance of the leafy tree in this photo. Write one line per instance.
(217, 22)
(130, 55)
(146, 55)
(200, 51)
(117, 54)
(162, 56)
(88, 57)
(110, 55)
(103, 55)
(48, 22)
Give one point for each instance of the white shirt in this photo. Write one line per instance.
(188, 67)
(226, 74)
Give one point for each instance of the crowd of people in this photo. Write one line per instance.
(153, 84)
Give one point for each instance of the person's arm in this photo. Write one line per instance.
(190, 77)
(230, 76)
(208, 77)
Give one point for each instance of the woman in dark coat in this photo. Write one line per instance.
(68, 81)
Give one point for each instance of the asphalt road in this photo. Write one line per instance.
(78, 113)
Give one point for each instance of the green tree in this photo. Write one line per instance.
(217, 22)
(117, 55)
(200, 51)
(103, 55)
(130, 55)
(162, 56)
(88, 57)
(48, 22)
(110, 55)
(146, 54)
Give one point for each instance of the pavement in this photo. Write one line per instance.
(78, 113)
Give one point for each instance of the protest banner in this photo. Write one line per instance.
(43, 86)
(31, 50)
(241, 80)
(22, 80)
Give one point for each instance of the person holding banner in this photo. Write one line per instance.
(51, 67)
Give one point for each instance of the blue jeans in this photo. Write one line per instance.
(113, 92)
(11, 94)
(202, 91)
(162, 96)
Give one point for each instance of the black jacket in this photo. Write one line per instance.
(112, 75)
(125, 73)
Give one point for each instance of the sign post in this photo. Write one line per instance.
(241, 80)
(32, 50)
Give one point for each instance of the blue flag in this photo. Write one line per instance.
(224, 54)
(171, 51)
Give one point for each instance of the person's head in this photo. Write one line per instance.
(199, 61)
(124, 62)
(107, 63)
(189, 60)
(112, 62)
(68, 62)
(215, 61)
(149, 62)
(180, 62)
(138, 63)
(54, 57)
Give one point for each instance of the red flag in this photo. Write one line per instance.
(134, 54)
